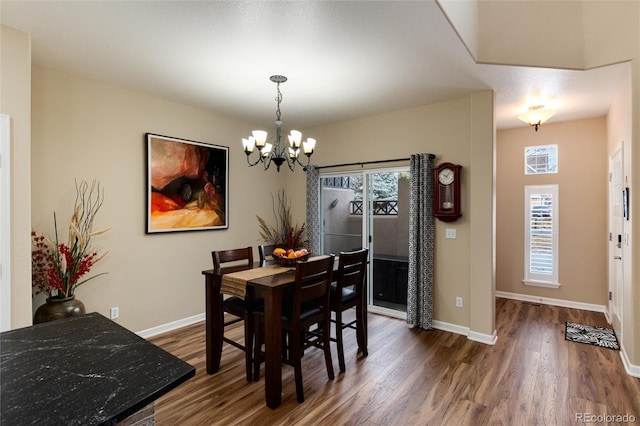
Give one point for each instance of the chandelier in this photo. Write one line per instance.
(272, 151)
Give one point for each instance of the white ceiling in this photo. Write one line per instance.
(343, 59)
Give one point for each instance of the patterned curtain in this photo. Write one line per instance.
(421, 239)
(313, 210)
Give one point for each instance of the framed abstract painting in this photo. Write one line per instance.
(187, 185)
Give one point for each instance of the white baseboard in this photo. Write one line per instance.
(631, 369)
(551, 301)
(488, 339)
(153, 331)
(451, 328)
(465, 331)
(440, 325)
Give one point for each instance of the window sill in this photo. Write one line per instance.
(547, 284)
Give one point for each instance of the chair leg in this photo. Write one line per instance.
(326, 338)
(258, 354)
(361, 329)
(285, 346)
(295, 349)
(248, 344)
(258, 348)
(339, 342)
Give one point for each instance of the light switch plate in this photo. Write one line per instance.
(450, 233)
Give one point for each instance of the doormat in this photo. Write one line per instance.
(591, 335)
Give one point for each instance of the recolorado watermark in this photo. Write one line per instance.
(605, 418)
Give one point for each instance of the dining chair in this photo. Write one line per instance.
(240, 308)
(308, 306)
(265, 251)
(349, 291)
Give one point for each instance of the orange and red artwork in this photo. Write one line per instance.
(187, 185)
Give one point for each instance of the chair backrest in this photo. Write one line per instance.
(265, 251)
(313, 281)
(352, 269)
(239, 257)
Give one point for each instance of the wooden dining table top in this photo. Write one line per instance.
(285, 277)
(235, 283)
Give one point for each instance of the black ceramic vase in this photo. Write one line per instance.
(56, 309)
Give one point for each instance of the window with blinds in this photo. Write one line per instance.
(541, 235)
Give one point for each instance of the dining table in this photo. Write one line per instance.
(273, 286)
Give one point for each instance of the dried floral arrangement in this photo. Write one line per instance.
(58, 268)
(283, 233)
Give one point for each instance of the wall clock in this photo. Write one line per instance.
(446, 195)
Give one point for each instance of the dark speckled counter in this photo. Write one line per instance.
(81, 371)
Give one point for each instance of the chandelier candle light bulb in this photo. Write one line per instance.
(295, 137)
(248, 144)
(308, 146)
(260, 137)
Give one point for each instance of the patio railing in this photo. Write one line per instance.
(380, 208)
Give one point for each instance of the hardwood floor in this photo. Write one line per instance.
(416, 377)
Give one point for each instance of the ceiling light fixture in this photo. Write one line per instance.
(536, 115)
(268, 152)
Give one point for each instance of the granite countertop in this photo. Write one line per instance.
(86, 370)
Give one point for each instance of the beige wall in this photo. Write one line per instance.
(610, 34)
(619, 125)
(110, 126)
(576, 35)
(88, 130)
(84, 129)
(532, 27)
(15, 96)
(447, 130)
(582, 181)
(557, 34)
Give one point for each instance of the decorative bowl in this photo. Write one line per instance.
(282, 260)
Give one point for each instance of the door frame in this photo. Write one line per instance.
(367, 228)
(5, 222)
(615, 251)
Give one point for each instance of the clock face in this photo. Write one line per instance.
(445, 176)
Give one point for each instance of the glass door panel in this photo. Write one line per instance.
(341, 215)
(371, 209)
(388, 216)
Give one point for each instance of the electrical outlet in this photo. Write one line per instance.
(458, 302)
(115, 312)
(450, 233)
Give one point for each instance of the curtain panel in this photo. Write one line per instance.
(421, 242)
(313, 210)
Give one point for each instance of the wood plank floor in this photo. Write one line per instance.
(415, 377)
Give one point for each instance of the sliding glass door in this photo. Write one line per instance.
(370, 209)
(341, 217)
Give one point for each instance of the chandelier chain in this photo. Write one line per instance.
(278, 99)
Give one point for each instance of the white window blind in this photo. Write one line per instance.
(541, 235)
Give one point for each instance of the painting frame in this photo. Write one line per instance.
(187, 185)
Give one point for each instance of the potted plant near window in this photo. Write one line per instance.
(59, 268)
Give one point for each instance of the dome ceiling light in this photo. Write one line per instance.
(536, 115)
